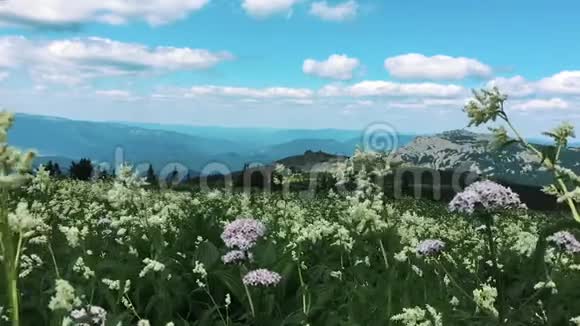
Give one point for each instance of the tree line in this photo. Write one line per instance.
(85, 170)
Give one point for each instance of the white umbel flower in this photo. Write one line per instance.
(64, 298)
(485, 299)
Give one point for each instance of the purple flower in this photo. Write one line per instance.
(236, 257)
(566, 240)
(262, 277)
(430, 247)
(243, 233)
(487, 194)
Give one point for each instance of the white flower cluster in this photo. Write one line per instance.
(199, 270)
(151, 266)
(81, 268)
(64, 298)
(550, 285)
(28, 263)
(485, 298)
(21, 220)
(418, 316)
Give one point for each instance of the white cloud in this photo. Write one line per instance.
(418, 66)
(387, 88)
(11, 50)
(266, 8)
(72, 61)
(562, 83)
(565, 82)
(340, 12)
(429, 103)
(71, 14)
(134, 56)
(113, 93)
(541, 104)
(516, 86)
(359, 104)
(271, 92)
(300, 101)
(335, 67)
(117, 95)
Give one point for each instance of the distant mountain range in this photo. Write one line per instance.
(62, 140)
(461, 149)
(457, 150)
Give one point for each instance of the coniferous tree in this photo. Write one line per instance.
(49, 167)
(151, 178)
(83, 170)
(56, 169)
(172, 178)
(53, 169)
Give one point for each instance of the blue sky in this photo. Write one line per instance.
(290, 63)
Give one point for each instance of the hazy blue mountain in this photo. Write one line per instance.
(259, 138)
(300, 146)
(98, 141)
(63, 140)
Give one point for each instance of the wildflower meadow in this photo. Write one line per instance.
(120, 253)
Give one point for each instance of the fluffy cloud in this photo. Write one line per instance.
(541, 104)
(516, 86)
(74, 60)
(562, 83)
(340, 12)
(266, 8)
(565, 82)
(418, 66)
(71, 14)
(133, 56)
(271, 92)
(339, 67)
(388, 88)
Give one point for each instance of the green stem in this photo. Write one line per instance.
(389, 285)
(454, 282)
(214, 302)
(53, 260)
(250, 301)
(18, 252)
(305, 309)
(10, 262)
(550, 165)
(498, 278)
(14, 299)
(132, 307)
(389, 300)
(384, 253)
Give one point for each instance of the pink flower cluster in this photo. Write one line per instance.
(243, 233)
(261, 277)
(488, 195)
(430, 247)
(566, 240)
(236, 257)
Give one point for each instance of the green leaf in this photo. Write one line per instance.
(207, 254)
